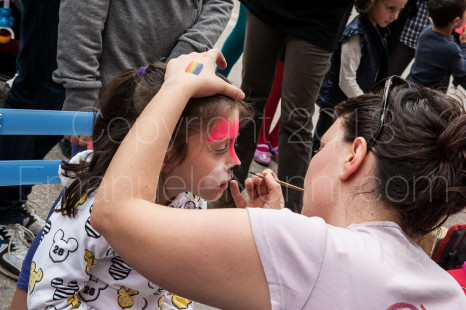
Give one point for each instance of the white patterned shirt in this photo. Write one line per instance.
(75, 268)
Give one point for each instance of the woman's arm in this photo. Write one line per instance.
(208, 256)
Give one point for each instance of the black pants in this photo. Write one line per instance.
(304, 69)
(32, 89)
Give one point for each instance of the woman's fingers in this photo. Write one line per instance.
(219, 58)
(197, 71)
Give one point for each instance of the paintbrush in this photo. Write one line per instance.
(279, 182)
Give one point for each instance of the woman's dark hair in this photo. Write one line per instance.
(444, 12)
(120, 104)
(420, 154)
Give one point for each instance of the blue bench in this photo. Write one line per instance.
(39, 122)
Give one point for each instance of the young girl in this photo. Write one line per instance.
(392, 167)
(360, 60)
(74, 265)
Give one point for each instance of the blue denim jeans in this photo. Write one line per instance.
(32, 89)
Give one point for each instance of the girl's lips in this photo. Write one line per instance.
(224, 185)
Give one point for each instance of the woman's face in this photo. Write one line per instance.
(321, 185)
(210, 158)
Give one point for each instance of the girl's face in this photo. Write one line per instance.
(210, 158)
(383, 12)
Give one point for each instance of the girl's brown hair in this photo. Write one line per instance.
(120, 104)
(420, 154)
(363, 6)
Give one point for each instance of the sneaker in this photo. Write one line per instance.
(262, 158)
(16, 240)
(65, 146)
(31, 220)
(9, 83)
(274, 153)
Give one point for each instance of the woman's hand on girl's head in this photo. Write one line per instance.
(196, 73)
(262, 192)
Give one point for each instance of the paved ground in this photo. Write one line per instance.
(44, 195)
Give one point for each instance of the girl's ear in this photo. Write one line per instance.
(354, 159)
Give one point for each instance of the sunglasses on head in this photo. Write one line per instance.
(385, 84)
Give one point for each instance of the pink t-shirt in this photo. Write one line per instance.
(312, 265)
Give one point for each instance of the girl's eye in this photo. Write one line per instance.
(220, 149)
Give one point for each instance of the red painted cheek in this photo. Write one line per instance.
(223, 129)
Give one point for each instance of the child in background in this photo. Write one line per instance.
(73, 264)
(360, 60)
(437, 55)
(404, 33)
(267, 143)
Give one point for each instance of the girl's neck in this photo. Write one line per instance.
(162, 193)
(446, 31)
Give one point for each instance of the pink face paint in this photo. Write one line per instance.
(224, 128)
(194, 68)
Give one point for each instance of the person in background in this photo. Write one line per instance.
(404, 33)
(33, 88)
(437, 55)
(360, 61)
(306, 38)
(97, 41)
(234, 45)
(267, 143)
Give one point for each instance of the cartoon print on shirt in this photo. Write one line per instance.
(404, 306)
(63, 291)
(91, 290)
(90, 231)
(190, 205)
(180, 302)
(34, 277)
(124, 297)
(153, 286)
(90, 260)
(61, 248)
(111, 252)
(46, 230)
(119, 270)
(51, 308)
(74, 302)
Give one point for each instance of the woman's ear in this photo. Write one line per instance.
(354, 159)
